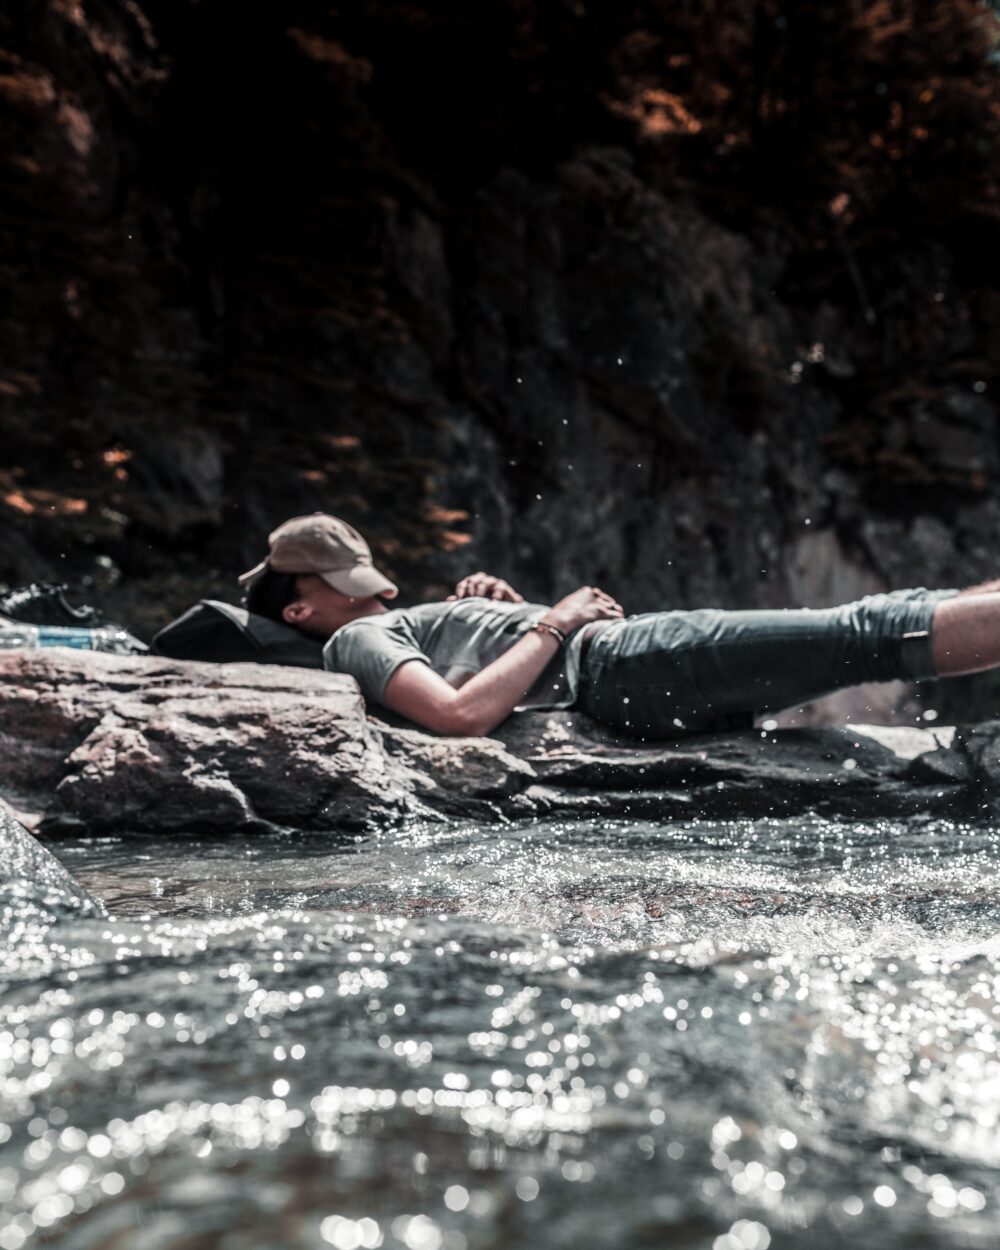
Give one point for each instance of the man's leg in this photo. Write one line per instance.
(665, 674)
(966, 633)
(983, 588)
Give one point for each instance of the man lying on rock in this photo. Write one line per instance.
(463, 665)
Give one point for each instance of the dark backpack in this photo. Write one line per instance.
(225, 634)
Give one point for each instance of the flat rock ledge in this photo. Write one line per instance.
(115, 744)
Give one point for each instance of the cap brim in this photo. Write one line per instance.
(359, 582)
(251, 575)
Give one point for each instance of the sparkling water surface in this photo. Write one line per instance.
(545, 1034)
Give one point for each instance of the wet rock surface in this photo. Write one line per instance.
(34, 886)
(834, 770)
(114, 744)
(108, 743)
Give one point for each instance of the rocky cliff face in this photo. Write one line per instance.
(700, 306)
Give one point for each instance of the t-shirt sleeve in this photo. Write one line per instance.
(370, 654)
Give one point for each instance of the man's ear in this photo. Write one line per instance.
(297, 612)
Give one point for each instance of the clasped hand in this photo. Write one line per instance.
(582, 607)
(485, 586)
(587, 604)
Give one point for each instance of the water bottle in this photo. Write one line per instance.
(14, 636)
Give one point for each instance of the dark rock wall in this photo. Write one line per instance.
(696, 302)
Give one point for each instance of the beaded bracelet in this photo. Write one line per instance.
(543, 627)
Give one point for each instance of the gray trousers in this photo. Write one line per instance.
(667, 674)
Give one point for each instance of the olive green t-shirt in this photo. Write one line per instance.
(457, 640)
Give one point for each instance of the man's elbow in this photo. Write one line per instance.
(447, 713)
(461, 722)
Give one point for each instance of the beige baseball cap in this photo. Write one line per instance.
(327, 547)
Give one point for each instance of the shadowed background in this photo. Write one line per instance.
(694, 301)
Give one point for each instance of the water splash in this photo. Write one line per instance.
(728, 1035)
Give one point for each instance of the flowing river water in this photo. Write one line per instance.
(721, 1035)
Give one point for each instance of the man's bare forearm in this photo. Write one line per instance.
(477, 707)
(489, 698)
(421, 695)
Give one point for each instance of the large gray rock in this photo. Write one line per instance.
(980, 744)
(34, 886)
(116, 743)
(851, 770)
(110, 742)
